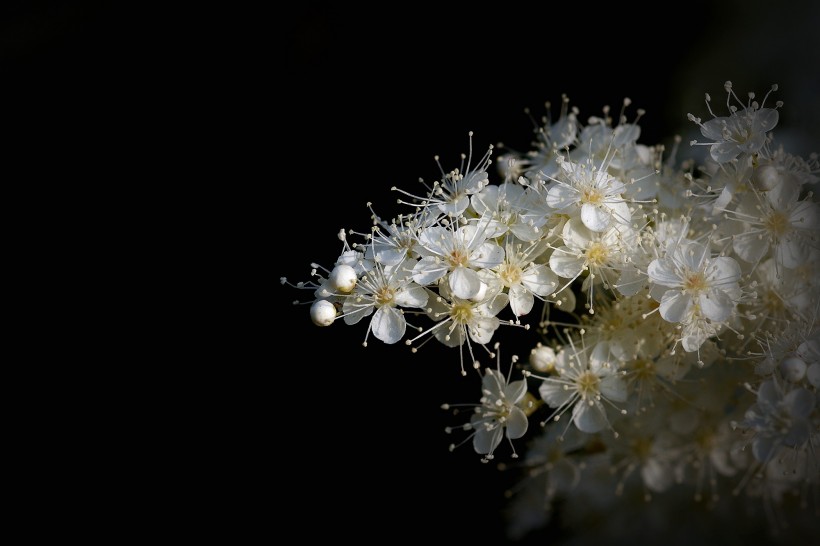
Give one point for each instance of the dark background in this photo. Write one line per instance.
(269, 130)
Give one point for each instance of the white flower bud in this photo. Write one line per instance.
(542, 358)
(793, 369)
(322, 313)
(343, 278)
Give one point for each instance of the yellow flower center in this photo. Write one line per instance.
(776, 223)
(597, 254)
(462, 313)
(695, 283)
(384, 296)
(509, 274)
(458, 258)
(587, 384)
(593, 196)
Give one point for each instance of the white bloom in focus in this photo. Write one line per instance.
(498, 412)
(384, 289)
(593, 191)
(694, 278)
(521, 276)
(458, 252)
(584, 383)
(603, 253)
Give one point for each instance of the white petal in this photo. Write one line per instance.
(566, 263)
(493, 305)
(662, 271)
(691, 254)
(515, 391)
(539, 279)
(595, 217)
(619, 210)
(764, 120)
(631, 281)
(791, 251)
(561, 196)
(674, 305)
(388, 324)
(482, 329)
(723, 152)
(713, 129)
(805, 215)
(485, 441)
(493, 383)
(614, 388)
(354, 312)
(455, 206)
(716, 305)
(411, 295)
(448, 338)
(553, 393)
(516, 423)
(464, 282)
(749, 248)
(589, 418)
(487, 256)
(521, 300)
(428, 270)
(723, 269)
(437, 240)
(525, 231)
(485, 201)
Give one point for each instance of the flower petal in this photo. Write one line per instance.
(552, 391)
(595, 217)
(388, 324)
(674, 305)
(589, 417)
(516, 423)
(464, 282)
(428, 270)
(485, 441)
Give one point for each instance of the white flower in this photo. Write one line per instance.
(458, 252)
(384, 289)
(521, 276)
(593, 191)
(498, 412)
(779, 418)
(510, 208)
(583, 383)
(696, 279)
(778, 218)
(742, 131)
(602, 253)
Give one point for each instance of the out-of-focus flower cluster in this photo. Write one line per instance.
(676, 306)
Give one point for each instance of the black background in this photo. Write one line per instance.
(269, 130)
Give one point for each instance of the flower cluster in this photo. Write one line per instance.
(676, 303)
